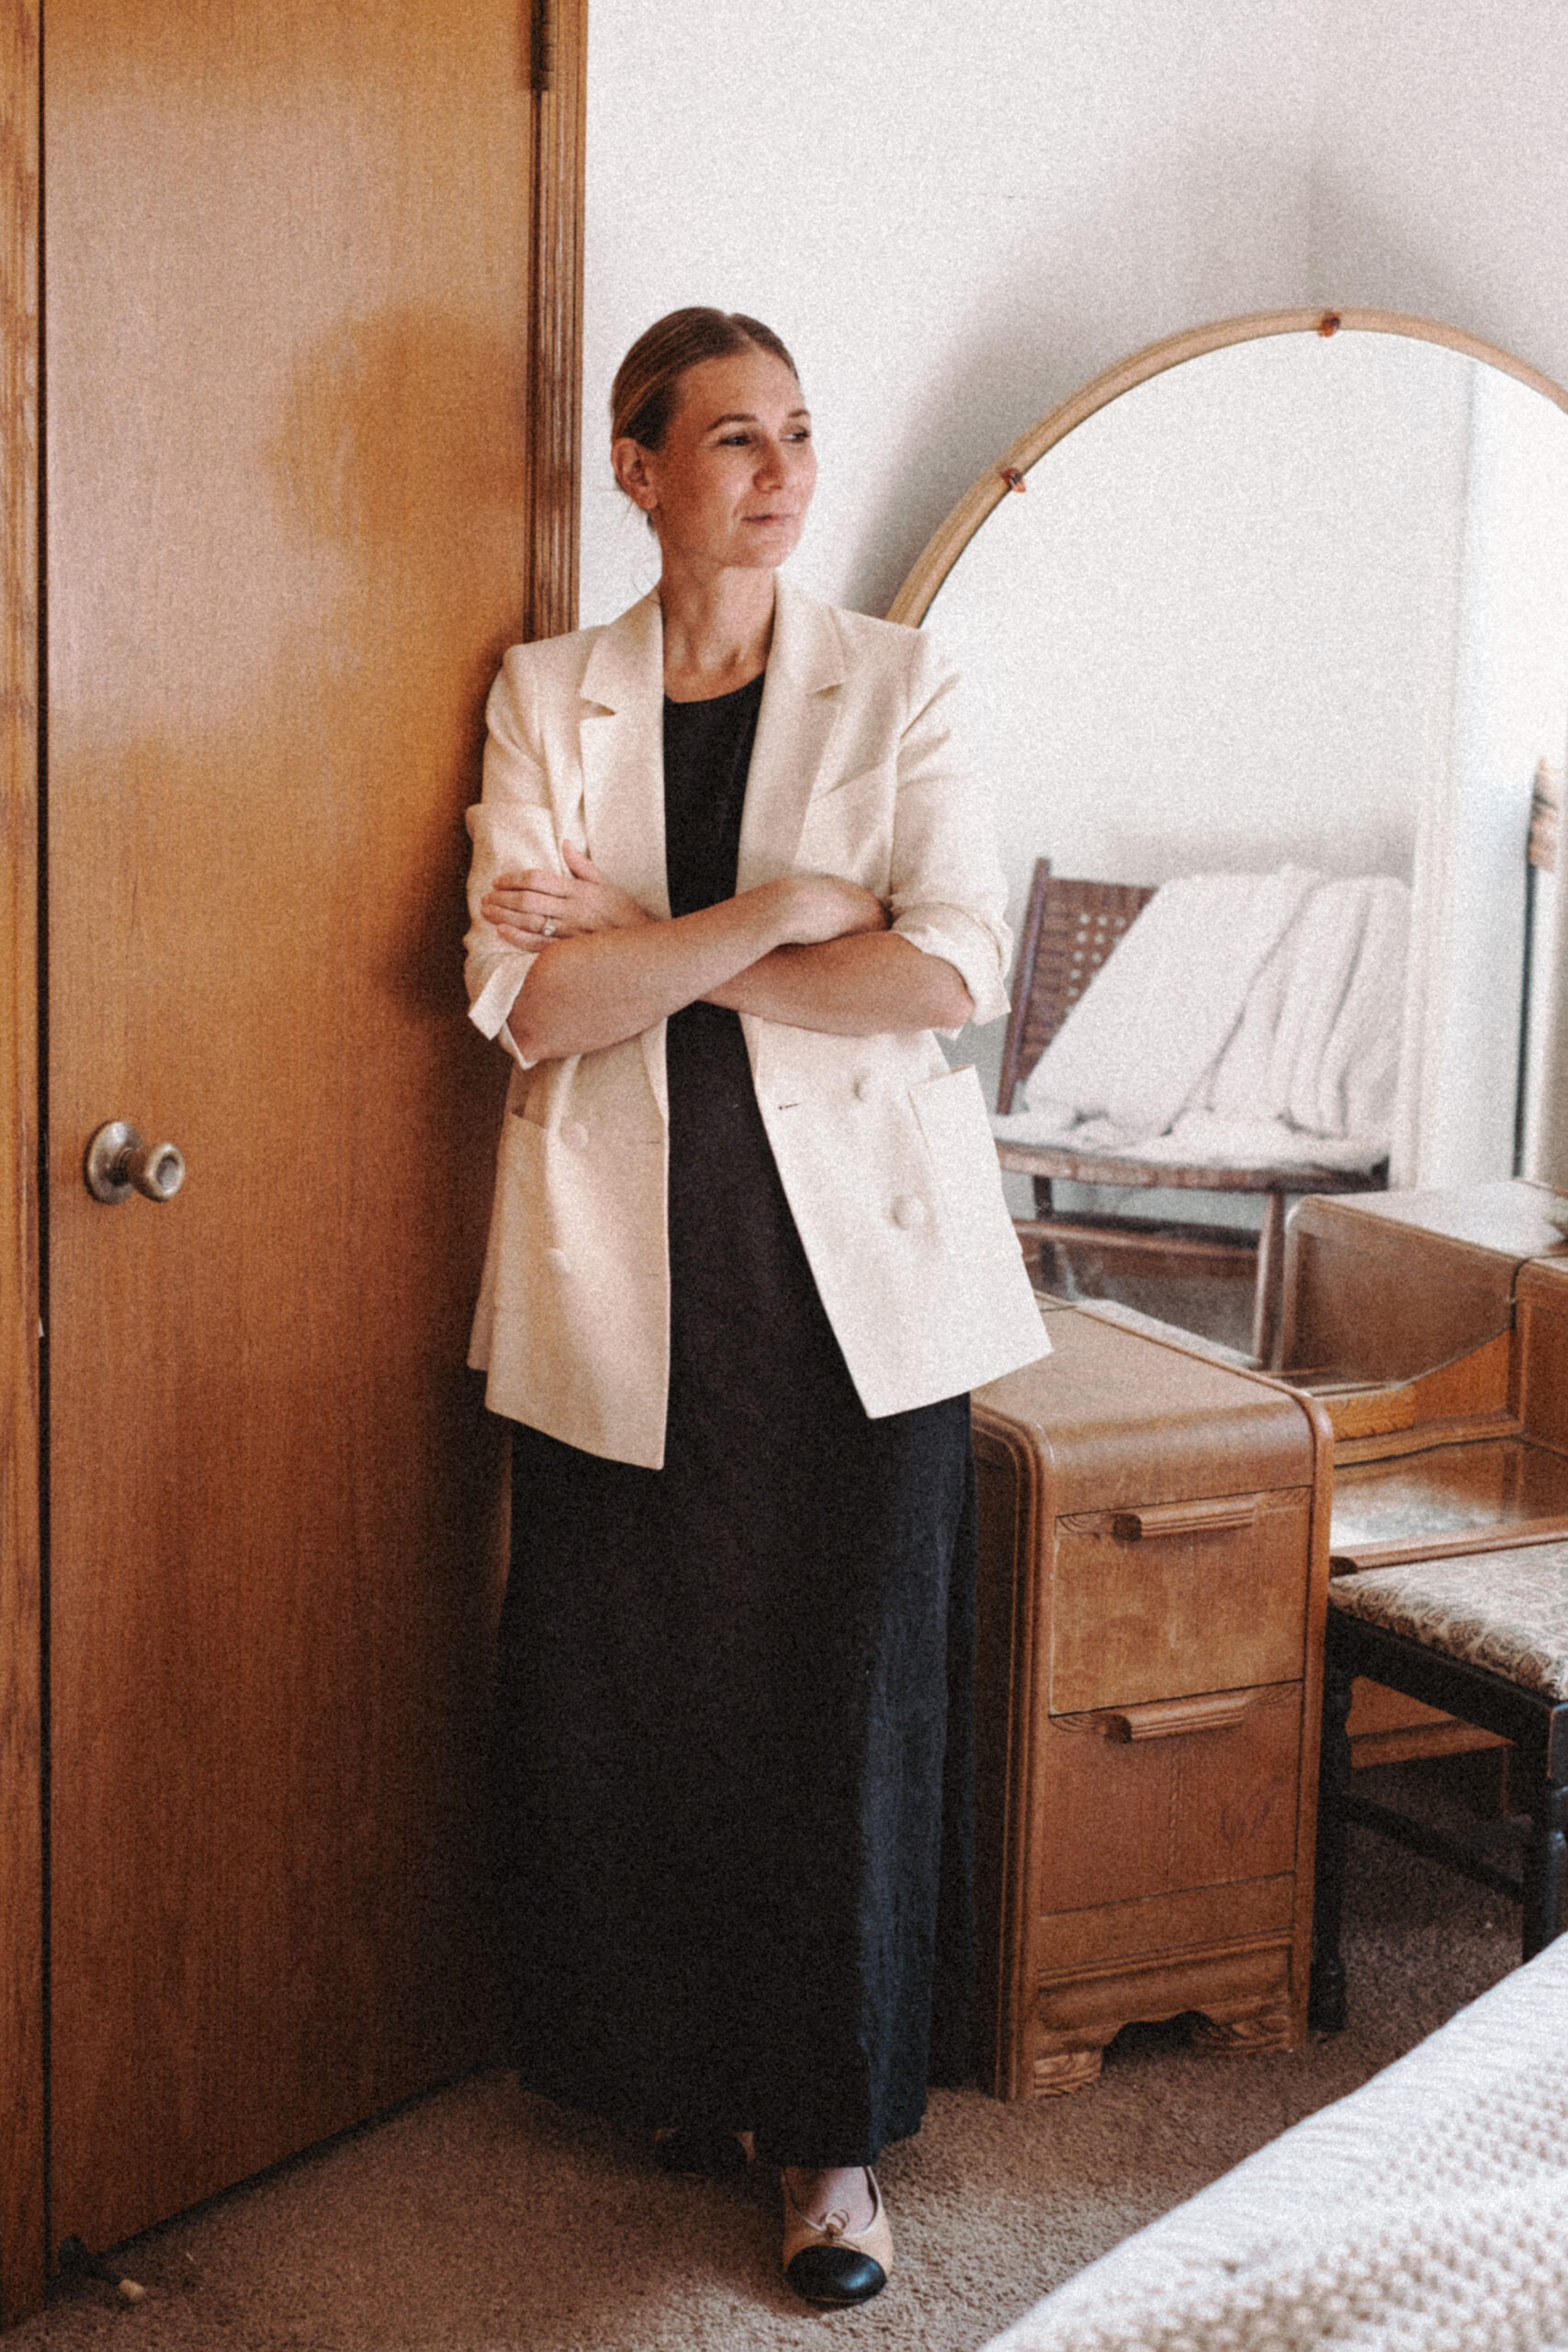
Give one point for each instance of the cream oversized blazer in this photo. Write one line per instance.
(885, 1154)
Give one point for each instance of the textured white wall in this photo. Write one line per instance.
(957, 210)
(952, 212)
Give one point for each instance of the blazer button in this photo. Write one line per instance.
(557, 1261)
(576, 1135)
(862, 1090)
(908, 1211)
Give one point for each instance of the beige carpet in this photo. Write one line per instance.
(480, 2219)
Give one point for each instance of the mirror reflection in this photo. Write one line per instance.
(1294, 609)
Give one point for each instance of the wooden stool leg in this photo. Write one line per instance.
(1054, 1269)
(1546, 1866)
(1270, 1280)
(1327, 2009)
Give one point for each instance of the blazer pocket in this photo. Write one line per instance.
(951, 1114)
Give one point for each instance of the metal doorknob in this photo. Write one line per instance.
(119, 1163)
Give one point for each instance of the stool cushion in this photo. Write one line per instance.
(1506, 1611)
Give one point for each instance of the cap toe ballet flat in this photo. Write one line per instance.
(705, 2148)
(831, 2263)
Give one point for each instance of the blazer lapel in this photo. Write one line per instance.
(621, 743)
(795, 726)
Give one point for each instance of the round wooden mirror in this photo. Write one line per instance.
(1292, 588)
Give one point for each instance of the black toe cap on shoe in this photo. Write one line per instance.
(835, 2274)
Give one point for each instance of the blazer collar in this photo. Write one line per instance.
(622, 746)
(806, 665)
(621, 742)
(627, 658)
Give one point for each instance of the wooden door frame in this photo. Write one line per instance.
(553, 41)
(23, 2021)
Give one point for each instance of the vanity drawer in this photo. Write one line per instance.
(1168, 1797)
(1176, 1599)
(1146, 1716)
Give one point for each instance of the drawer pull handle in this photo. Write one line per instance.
(1163, 1718)
(1185, 1519)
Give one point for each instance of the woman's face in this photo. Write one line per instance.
(731, 485)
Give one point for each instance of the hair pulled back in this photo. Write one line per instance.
(647, 382)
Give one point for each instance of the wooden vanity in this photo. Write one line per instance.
(1154, 1546)
(1156, 1528)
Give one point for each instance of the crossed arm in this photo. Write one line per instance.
(810, 951)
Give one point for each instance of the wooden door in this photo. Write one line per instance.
(295, 499)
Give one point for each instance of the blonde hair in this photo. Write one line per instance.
(646, 392)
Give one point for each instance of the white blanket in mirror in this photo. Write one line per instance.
(1427, 2209)
(1244, 1019)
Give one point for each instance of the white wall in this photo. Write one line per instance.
(954, 212)
(958, 211)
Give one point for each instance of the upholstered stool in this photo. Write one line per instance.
(1483, 1634)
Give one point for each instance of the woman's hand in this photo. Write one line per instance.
(819, 907)
(530, 909)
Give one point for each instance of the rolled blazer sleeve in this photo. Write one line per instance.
(948, 893)
(513, 827)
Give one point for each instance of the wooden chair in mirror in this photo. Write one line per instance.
(1070, 930)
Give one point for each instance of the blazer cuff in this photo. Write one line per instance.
(969, 947)
(491, 1009)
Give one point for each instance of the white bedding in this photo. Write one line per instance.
(1244, 1018)
(1428, 2210)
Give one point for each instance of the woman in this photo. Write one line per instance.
(748, 1255)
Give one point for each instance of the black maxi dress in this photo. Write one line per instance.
(734, 1706)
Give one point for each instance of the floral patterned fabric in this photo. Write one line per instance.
(1504, 1610)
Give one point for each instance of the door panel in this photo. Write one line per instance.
(287, 490)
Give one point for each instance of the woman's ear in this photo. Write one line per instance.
(628, 460)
